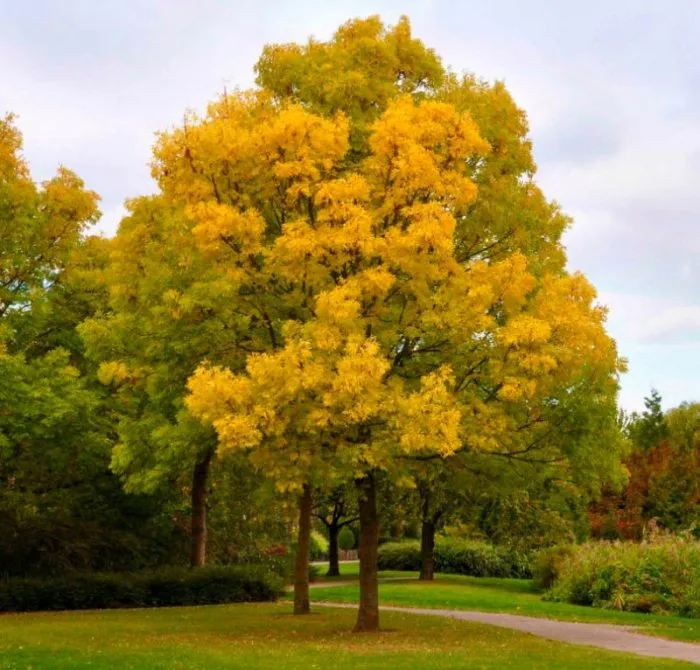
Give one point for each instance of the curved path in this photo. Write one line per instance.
(606, 636)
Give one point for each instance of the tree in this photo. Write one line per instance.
(346, 539)
(39, 228)
(649, 429)
(165, 315)
(663, 485)
(60, 507)
(405, 315)
(684, 425)
(247, 519)
(336, 511)
(537, 501)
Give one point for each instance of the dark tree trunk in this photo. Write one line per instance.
(427, 550)
(199, 512)
(368, 611)
(333, 560)
(301, 566)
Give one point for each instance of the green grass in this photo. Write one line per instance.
(267, 637)
(517, 596)
(351, 570)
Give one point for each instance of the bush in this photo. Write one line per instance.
(660, 576)
(346, 539)
(399, 555)
(314, 573)
(549, 563)
(457, 556)
(172, 586)
(319, 546)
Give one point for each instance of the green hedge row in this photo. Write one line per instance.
(167, 587)
(660, 576)
(456, 556)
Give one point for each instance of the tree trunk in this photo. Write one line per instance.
(427, 550)
(301, 566)
(199, 512)
(368, 612)
(333, 563)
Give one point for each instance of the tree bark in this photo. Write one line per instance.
(427, 550)
(368, 611)
(301, 566)
(333, 560)
(199, 511)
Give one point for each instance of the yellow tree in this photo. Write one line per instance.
(405, 271)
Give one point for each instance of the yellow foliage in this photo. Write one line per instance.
(113, 373)
(242, 232)
(430, 419)
(383, 240)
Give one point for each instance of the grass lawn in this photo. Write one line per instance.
(517, 596)
(267, 636)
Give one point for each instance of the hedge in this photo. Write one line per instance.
(457, 556)
(162, 588)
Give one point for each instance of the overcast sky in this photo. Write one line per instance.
(611, 89)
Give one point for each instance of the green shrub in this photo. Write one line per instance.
(457, 556)
(172, 586)
(319, 546)
(399, 555)
(518, 560)
(660, 576)
(549, 563)
(314, 573)
(346, 539)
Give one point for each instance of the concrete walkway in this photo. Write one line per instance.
(606, 636)
(354, 582)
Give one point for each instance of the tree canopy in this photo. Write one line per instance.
(403, 270)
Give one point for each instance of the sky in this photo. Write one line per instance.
(611, 90)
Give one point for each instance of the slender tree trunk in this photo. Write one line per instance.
(333, 562)
(368, 612)
(199, 512)
(427, 549)
(301, 566)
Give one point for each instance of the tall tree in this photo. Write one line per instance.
(400, 312)
(650, 428)
(40, 227)
(164, 316)
(60, 507)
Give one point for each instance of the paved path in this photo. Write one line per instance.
(607, 636)
(354, 582)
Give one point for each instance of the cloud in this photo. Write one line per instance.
(648, 320)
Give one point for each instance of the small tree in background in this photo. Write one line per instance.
(346, 539)
(336, 512)
(650, 428)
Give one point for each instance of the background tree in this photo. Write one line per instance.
(165, 316)
(684, 425)
(650, 428)
(60, 506)
(346, 539)
(663, 486)
(336, 510)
